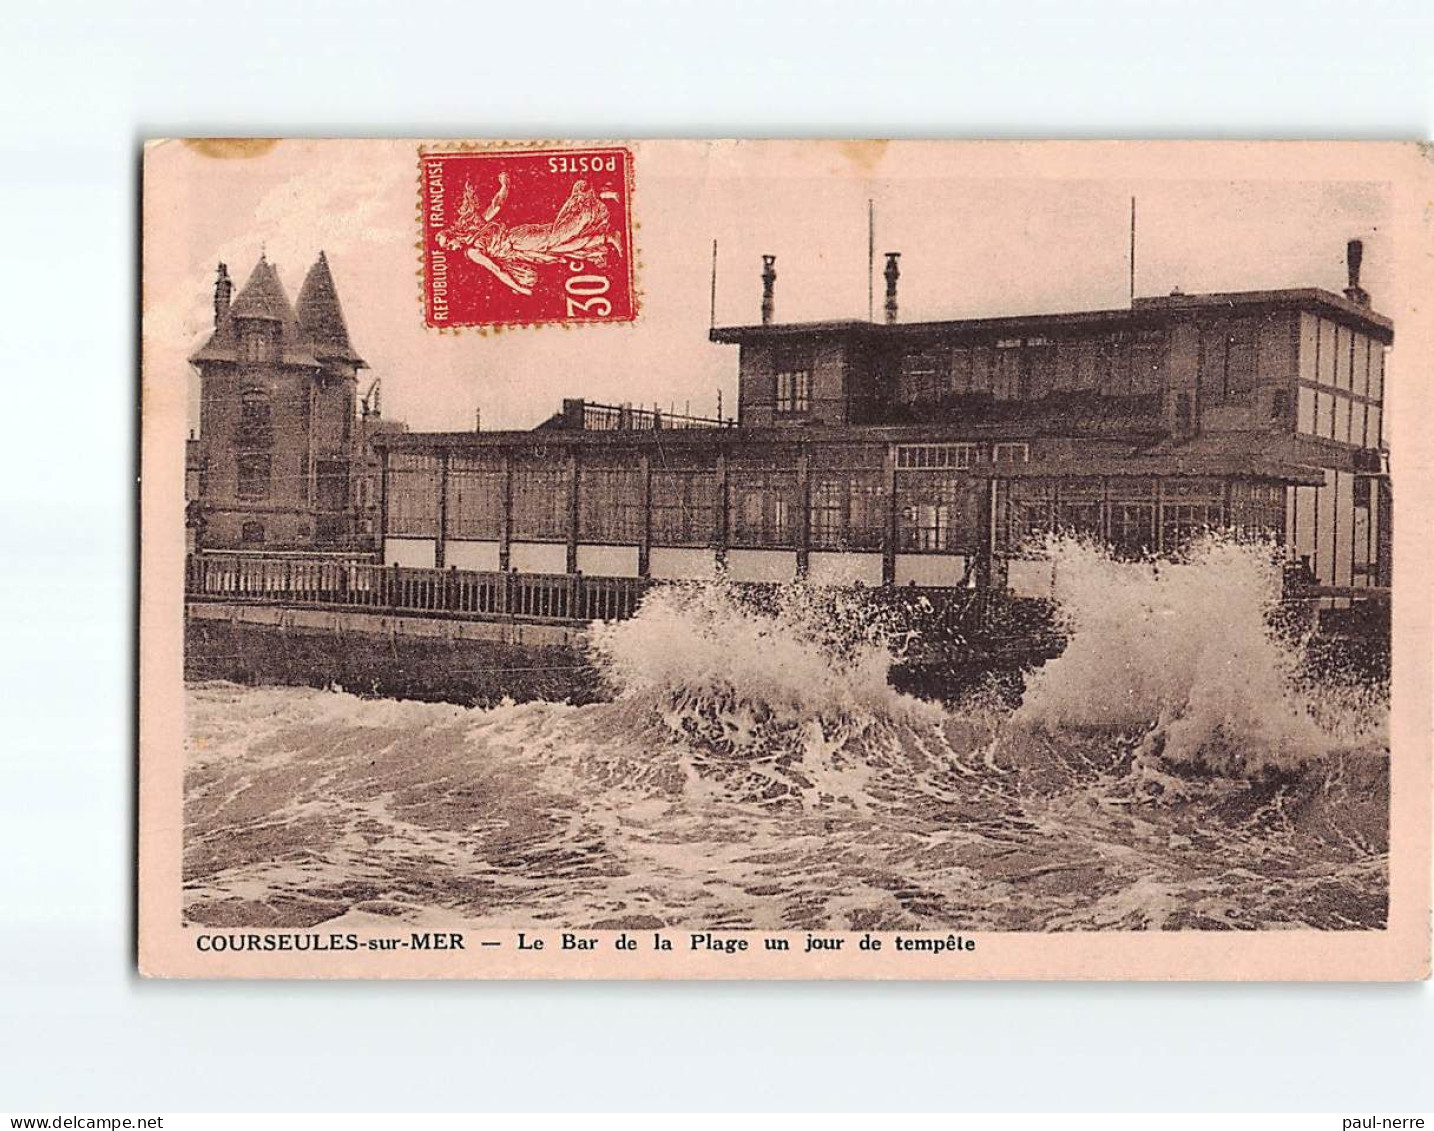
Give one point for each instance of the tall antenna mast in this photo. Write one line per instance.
(1132, 251)
(870, 259)
(713, 324)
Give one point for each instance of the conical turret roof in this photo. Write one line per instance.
(263, 298)
(322, 316)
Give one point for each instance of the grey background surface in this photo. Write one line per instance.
(84, 82)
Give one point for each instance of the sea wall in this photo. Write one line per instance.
(467, 662)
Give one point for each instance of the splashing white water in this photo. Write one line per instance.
(814, 653)
(756, 770)
(1182, 647)
(779, 699)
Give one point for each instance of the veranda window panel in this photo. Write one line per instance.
(929, 513)
(764, 507)
(826, 522)
(610, 505)
(868, 512)
(475, 503)
(540, 503)
(412, 496)
(683, 507)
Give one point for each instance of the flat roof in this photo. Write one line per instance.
(1147, 312)
(929, 433)
(1243, 455)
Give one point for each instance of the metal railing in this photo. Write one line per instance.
(335, 582)
(442, 592)
(594, 417)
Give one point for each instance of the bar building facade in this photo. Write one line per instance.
(929, 453)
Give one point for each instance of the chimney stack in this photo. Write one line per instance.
(892, 273)
(223, 289)
(1353, 257)
(769, 283)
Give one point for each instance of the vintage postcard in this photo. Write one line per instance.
(787, 560)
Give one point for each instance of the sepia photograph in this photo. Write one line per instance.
(754, 555)
(650, 557)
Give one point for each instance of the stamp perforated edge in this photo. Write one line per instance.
(484, 329)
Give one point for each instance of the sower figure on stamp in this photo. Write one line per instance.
(581, 231)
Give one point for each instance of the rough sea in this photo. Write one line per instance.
(1177, 767)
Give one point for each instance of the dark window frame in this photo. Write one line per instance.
(792, 379)
(254, 478)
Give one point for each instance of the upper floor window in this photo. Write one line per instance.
(1280, 405)
(1006, 383)
(935, 457)
(923, 376)
(1227, 360)
(254, 474)
(794, 379)
(1011, 453)
(255, 419)
(1182, 412)
(1147, 362)
(1362, 490)
(1038, 367)
(254, 343)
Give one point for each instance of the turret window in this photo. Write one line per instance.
(255, 419)
(254, 344)
(254, 475)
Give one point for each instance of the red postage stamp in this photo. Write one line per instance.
(514, 237)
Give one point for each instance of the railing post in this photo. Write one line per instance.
(644, 544)
(574, 486)
(889, 527)
(505, 530)
(721, 512)
(804, 511)
(985, 524)
(440, 543)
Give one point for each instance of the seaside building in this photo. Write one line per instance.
(930, 453)
(280, 454)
